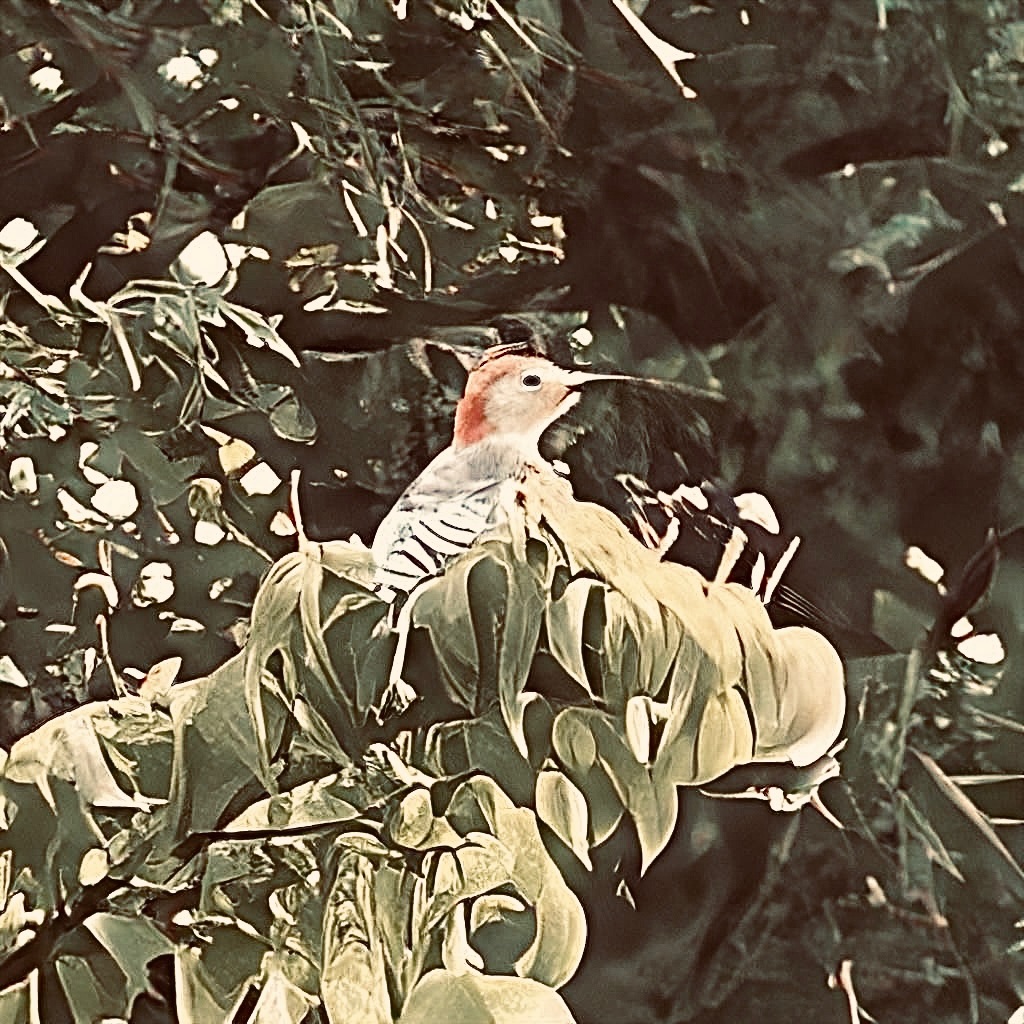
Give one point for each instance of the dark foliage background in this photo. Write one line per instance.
(813, 227)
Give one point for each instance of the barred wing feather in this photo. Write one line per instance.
(432, 522)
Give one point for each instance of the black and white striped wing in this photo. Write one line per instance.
(431, 523)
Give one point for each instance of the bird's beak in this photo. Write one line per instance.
(575, 379)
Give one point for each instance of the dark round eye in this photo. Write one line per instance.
(530, 381)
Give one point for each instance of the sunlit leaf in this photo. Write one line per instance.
(562, 807)
(478, 999)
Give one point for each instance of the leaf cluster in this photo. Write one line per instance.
(389, 867)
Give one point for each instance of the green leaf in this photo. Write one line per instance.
(199, 998)
(576, 748)
(648, 796)
(555, 953)
(354, 976)
(479, 999)
(313, 622)
(280, 999)
(17, 1003)
(565, 622)
(480, 744)
(258, 332)
(414, 824)
(441, 607)
(507, 607)
(563, 808)
(807, 700)
(132, 943)
(216, 753)
(318, 802)
(90, 986)
(63, 803)
(961, 826)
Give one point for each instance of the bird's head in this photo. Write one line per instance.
(515, 392)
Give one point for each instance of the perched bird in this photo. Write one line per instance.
(511, 397)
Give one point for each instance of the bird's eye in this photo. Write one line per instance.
(530, 381)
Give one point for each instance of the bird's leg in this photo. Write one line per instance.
(398, 695)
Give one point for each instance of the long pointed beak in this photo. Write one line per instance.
(577, 378)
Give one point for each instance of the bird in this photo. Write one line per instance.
(512, 396)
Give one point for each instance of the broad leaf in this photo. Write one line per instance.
(479, 999)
